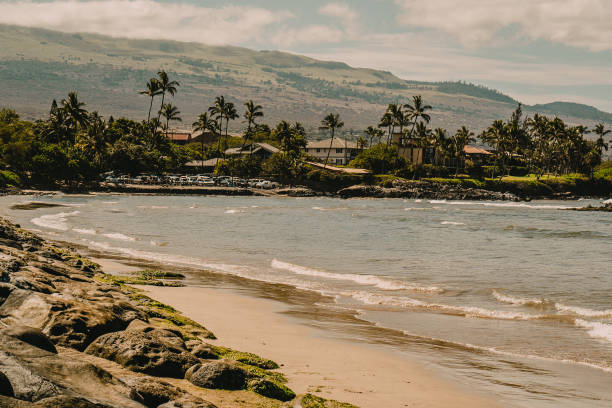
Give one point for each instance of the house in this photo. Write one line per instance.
(207, 166)
(178, 136)
(209, 137)
(263, 150)
(342, 151)
(478, 155)
(411, 150)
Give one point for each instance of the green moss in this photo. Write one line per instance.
(271, 389)
(245, 358)
(143, 279)
(150, 274)
(312, 401)
(257, 372)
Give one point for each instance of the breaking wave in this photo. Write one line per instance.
(582, 311)
(519, 301)
(596, 329)
(381, 283)
(55, 221)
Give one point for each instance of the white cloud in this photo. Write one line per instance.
(578, 23)
(339, 10)
(148, 19)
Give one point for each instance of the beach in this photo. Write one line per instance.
(362, 374)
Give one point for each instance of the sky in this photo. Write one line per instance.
(537, 51)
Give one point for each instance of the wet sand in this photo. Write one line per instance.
(314, 360)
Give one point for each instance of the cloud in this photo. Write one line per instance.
(148, 19)
(577, 23)
(341, 11)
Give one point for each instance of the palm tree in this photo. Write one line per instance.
(372, 133)
(331, 122)
(601, 144)
(250, 115)
(165, 86)
(386, 121)
(417, 112)
(462, 138)
(230, 114)
(218, 110)
(93, 141)
(170, 113)
(153, 89)
(439, 143)
(203, 124)
(74, 110)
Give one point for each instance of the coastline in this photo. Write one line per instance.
(315, 361)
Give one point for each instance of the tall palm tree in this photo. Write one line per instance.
(372, 133)
(170, 114)
(250, 116)
(165, 86)
(439, 139)
(74, 110)
(93, 141)
(203, 124)
(331, 122)
(601, 132)
(218, 110)
(462, 138)
(417, 111)
(230, 114)
(152, 90)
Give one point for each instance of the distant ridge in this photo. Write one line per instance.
(38, 65)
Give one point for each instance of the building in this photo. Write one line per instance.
(262, 150)
(411, 151)
(478, 155)
(184, 136)
(342, 151)
(206, 166)
(179, 136)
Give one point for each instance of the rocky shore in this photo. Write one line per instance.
(72, 336)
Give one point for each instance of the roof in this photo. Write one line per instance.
(475, 150)
(205, 163)
(252, 149)
(338, 143)
(340, 169)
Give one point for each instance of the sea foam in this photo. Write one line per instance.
(55, 221)
(582, 311)
(379, 282)
(519, 301)
(596, 329)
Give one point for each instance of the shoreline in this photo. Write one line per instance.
(316, 362)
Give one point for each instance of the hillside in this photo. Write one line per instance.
(38, 65)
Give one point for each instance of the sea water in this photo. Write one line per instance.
(514, 297)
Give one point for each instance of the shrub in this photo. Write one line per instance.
(519, 171)
(380, 159)
(492, 171)
(9, 179)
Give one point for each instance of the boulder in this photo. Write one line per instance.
(149, 350)
(151, 392)
(204, 351)
(64, 401)
(270, 389)
(221, 374)
(6, 388)
(26, 384)
(32, 336)
(188, 402)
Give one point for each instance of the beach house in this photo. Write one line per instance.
(263, 150)
(340, 152)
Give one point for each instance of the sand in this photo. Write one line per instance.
(314, 360)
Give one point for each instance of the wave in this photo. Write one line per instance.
(581, 311)
(466, 311)
(437, 201)
(84, 231)
(519, 301)
(452, 223)
(55, 221)
(381, 283)
(596, 329)
(233, 211)
(119, 236)
(608, 202)
(531, 206)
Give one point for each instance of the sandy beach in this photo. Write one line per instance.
(365, 375)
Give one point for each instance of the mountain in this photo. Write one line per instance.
(39, 65)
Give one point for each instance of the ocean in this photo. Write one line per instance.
(511, 298)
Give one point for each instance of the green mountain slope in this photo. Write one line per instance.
(38, 65)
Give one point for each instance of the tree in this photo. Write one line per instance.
(170, 114)
(204, 124)
(74, 113)
(153, 89)
(461, 139)
(417, 111)
(372, 133)
(230, 114)
(92, 142)
(601, 143)
(332, 122)
(218, 110)
(251, 114)
(165, 86)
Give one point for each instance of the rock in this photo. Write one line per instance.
(204, 351)
(149, 350)
(270, 389)
(188, 402)
(222, 374)
(5, 291)
(6, 388)
(151, 392)
(32, 336)
(65, 401)
(26, 384)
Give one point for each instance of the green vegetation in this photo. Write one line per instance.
(312, 401)
(246, 358)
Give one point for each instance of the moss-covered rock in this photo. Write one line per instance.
(245, 358)
(312, 401)
(271, 389)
